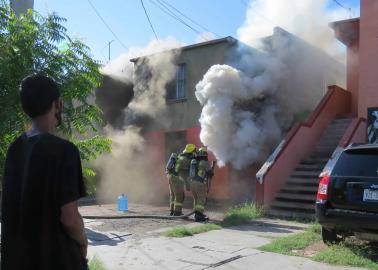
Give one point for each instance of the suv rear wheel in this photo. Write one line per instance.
(330, 236)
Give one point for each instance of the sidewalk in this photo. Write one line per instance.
(232, 248)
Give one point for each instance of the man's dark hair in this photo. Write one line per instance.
(37, 93)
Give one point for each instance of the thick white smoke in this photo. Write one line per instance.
(125, 169)
(250, 103)
(150, 84)
(307, 19)
(122, 69)
(233, 134)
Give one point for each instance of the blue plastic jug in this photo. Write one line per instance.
(122, 203)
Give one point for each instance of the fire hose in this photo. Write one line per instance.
(139, 216)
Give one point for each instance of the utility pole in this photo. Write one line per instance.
(110, 42)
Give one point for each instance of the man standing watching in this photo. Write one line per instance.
(41, 228)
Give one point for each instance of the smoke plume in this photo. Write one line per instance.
(307, 19)
(126, 169)
(250, 103)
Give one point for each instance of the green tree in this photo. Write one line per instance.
(32, 43)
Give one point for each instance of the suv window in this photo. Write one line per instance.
(356, 164)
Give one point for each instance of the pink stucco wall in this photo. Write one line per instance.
(347, 32)
(368, 72)
(301, 141)
(353, 75)
(155, 141)
(355, 133)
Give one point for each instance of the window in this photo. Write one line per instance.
(180, 82)
(177, 91)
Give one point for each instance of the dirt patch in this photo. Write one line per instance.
(137, 227)
(311, 250)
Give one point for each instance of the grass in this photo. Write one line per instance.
(242, 214)
(349, 255)
(286, 245)
(239, 215)
(186, 231)
(96, 264)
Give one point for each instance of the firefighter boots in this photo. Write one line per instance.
(200, 217)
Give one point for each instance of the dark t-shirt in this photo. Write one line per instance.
(42, 173)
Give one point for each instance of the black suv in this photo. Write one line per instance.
(347, 199)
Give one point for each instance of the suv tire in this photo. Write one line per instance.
(329, 236)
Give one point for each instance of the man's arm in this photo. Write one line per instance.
(74, 226)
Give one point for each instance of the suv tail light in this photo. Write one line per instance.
(323, 189)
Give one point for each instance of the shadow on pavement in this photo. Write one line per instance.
(105, 239)
(267, 228)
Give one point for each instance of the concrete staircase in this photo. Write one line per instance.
(297, 198)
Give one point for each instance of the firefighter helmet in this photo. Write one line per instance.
(202, 151)
(189, 148)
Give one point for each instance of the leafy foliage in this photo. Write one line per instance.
(31, 43)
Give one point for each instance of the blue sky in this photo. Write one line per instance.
(127, 19)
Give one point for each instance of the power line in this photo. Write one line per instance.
(174, 16)
(107, 26)
(187, 17)
(344, 7)
(341, 5)
(148, 18)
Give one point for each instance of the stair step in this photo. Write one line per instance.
(299, 189)
(327, 145)
(323, 156)
(322, 153)
(290, 214)
(313, 161)
(341, 122)
(303, 181)
(330, 138)
(335, 127)
(324, 149)
(305, 175)
(334, 139)
(293, 205)
(300, 197)
(310, 167)
(345, 116)
(335, 132)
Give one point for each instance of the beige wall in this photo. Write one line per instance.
(368, 74)
(186, 113)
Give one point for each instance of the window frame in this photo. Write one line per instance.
(177, 92)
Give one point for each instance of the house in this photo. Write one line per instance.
(288, 181)
(183, 109)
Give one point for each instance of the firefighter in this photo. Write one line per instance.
(172, 179)
(201, 171)
(178, 176)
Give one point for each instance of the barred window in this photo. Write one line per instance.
(176, 89)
